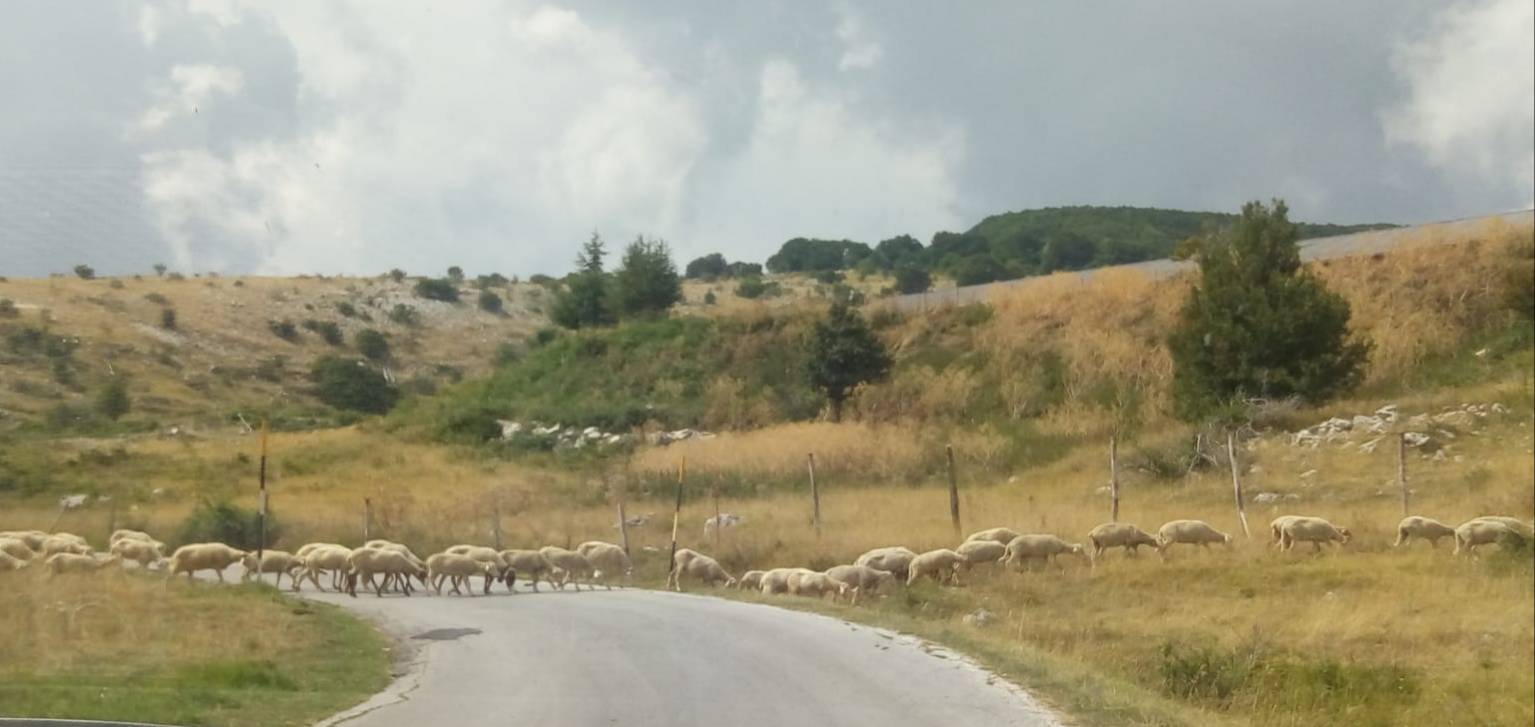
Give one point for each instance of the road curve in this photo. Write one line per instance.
(637, 657)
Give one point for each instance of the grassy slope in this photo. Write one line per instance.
(126, 647)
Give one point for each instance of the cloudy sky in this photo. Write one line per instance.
(352, 137)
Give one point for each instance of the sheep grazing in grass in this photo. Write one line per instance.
(608, 562)
(1485, 531)
(776, 580)
(216, 557)
(33, 538)
(1312, 530)
(11, 562)
(571, 567)
(981, 552)
(1422, 528)
(896, 559)
(144, 552)
(326, 558)
(1188, 532)
(1119, 535)
(697, 566)
(750, 580)
(811, 584)
(17, 548)
(1515, 525)
(397, 567)
(1000, 536)
(724, 521)
(55, 544)
(942, 565)
(861, 579)
(1040, 548)
(273, 561)
(531, 564)
(457, 569)
(75, 563)
(1276, 529)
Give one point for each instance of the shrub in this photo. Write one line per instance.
(328, 331)
(156, 298)
(283, 329)
(844, 353)
(271, 369)
(397, 275)
(371, 344)
(85, 272)
(115, 284)
(545, 336)
(507, 353)
(404, 315)
(352, 385)
(827, 277)
(1519, 285)
(754, 287)
(543, 281)
(8, 308)
(646, 283)
(709, 298)
(112, 401)
(912, 279)
(175, 276)
(437, 289)
(346, 309)
(159, 270)
(456, 274)
(168, 319)
(227, 523)
(490, 302)
(708, 267)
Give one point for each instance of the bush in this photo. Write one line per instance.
(437, 289)
(371, 344)
(271, 369)
(156, 298)
(352, 385)
(911, 279)
(159, 270)
(404, 315)
(328, 331)
(708, 267)
(85, 272)
(284, 329)
(543, 281)
(1519, 286)
(112, 401)
(545, 336)
(397, 275)
(507, 353)
(754, 287)
(709, 298)
(456, 274)
(646, 282)
(8, 308)
(490, 302)
(168, 319)
(227, 523)
(347, 310)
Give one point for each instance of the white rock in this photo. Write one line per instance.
(70, 502)
(1415, 439)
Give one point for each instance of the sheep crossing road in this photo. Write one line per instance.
(635, 657)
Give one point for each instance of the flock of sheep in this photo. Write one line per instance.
(383, 565)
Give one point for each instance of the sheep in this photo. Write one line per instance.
(723, 521)
(574, 567)
(1119, 535)
(71, 537)
(776, 580)
(979, 552)
(1312, 530)
(861, 579)
(942, 565)
(191, 558)
(608, 560)
(124, 534)
(308, 548)
(816, 585)
(458, 568)
(143, 552)
(1517, 526)
(11, 562)
(1482, 531)
(1036, 547)
(694, 564)
(485, 555)
(53, 545)
(1423, 528)
(896, 559)
(420, 569)
(33, 538)
(750, 580)
(1188, 532)
(273, 561)
(1276, 529)
(1000, 536)
(16, 548)
(77, 563)
(325, 557)
(363, 563)
(531, 564)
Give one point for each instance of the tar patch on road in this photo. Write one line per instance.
(445, 634)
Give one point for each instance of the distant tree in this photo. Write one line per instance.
(490, 302)
(802, 255)
(160, 270)
(709, 298)
(896, 250)
(352, 385)
(1258, 324)
(646, 282)
(328, 331)
(456, 274)
(827, 277)
(405, 315)
(752, 287)
(441, 289)
(489, 281)
(168, 319)
(912, 279)
(844, 352)
(585, 300)
(397, 275)
(85, 272)
(371, 344)
(1067, 251)
(112, 400)
(708, 267)
(976, 270)
(742, 270)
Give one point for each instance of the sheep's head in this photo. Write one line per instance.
(1075, 549)
(1346, 535)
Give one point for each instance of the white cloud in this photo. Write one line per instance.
(859, 51)
(1471, 104)
(189, 88)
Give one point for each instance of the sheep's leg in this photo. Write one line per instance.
(1316, 547)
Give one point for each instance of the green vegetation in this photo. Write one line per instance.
(397, 275)
(714, 266)
(442, 289)
(168, 319)
(328, 331)
(490, 302)
(112, 400)
(844, 353)
(224, 522)
(85, 272)
(371, 344)
(646, 283)
(284, 329)
(585, 300)
(8, 308)
(404, 314)
(807, 255)
(912, 279)
(1259, 325)
(352, 385)
(456, 274)
(159, 270)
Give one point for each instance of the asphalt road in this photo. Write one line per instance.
(636, 657)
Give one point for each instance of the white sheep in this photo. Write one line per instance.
(530, 564)
(698, 566)
(191, 558)
(816, 585)
(144, 552)
(11, 562)
(55, 544)
(487, 555)
(1188, 532)
(1119, 535)
(1515, 525)
(1000, 536)
(1423, 528)
(72, 538)
(325, 558)
(273, 561)
(861, 579)
(308, 548)
(458, 568)
(76, 563)
(1276, 529)
(33, 538)
(1312, 530)
(1482, 531)
(725, 521)
(942, 565)
(750, 580)
(608, 562)
(17, 548)
(573, 568)
(394, 565)
(776, 580)
(125, 534)
(1043, 548)
(981, 552)
(896, 559)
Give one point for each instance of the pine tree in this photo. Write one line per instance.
(844, 352)
(647, 282)
(584, 301)
(1257, 324)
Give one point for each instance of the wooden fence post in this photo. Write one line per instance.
(1236, 482)
(815, 498)
(672, 578)
(367, 519)
(953, 488)
(261, 504)
(623, 519)
(1114, 478)
(1401, 473)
